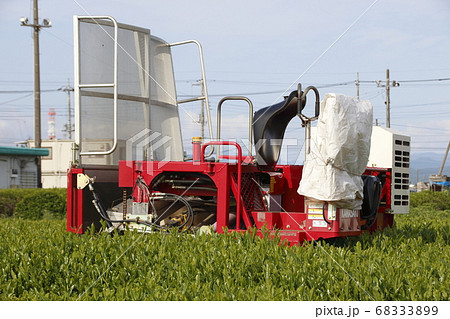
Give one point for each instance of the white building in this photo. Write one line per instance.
(54, 166)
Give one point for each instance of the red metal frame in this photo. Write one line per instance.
(74, 202)
(296, 222)
(236, 191)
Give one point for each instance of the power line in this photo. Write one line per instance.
(61, 39)
(16, 99)
(425, 80)
(422, 104)
(426, 128)
(25, 91)
(317, 85)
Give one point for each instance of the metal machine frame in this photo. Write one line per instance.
(238, 192)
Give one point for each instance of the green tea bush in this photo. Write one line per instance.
(9, 198)
(42, 204)
(39, 260)
(432, 200)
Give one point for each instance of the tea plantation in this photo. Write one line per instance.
(39, 260)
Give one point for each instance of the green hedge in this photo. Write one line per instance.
(33, 203)
(431, 200)
(41, 205)
(49, 202)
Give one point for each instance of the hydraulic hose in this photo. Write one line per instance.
(323, 214)
(103, 214)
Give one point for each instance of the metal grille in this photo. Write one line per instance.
(251, 193)
(400, 170)
(400, 174)
(28, 179)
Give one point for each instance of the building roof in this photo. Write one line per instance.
(7, 150)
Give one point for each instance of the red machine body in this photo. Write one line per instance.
(259, 199)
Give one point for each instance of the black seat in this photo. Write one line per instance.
(372, 197)
(269, 125)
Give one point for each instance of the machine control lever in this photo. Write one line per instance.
(306, 121)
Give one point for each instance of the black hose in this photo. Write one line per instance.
(100, 208)
(139, 183)
(190, 212)
(102, 212)
(372, 222)
(323, 214)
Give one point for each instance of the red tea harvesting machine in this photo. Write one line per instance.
(129, 167)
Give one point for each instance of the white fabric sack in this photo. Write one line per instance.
(340, 147)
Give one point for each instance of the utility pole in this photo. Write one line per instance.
(445, 158)
(37, 82)
(357, 85)
(388, 97)
(388, 100)
(439, 177)
(202, 111)
(68, 127)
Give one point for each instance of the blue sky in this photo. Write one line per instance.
(252, 48)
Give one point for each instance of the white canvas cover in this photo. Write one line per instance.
(340, 147)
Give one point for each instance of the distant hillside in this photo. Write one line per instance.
(425, 164)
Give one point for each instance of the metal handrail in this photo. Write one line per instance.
(306, 121)
(78, 86)
(250, 119)
(204, 86)
(302, 101)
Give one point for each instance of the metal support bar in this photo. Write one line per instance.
(101, 85)
(250, 119)
(200, 98)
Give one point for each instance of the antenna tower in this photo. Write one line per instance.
(51, 124)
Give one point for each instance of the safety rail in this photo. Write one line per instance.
(204, 96)
(245, 159)
(78, 86)
(239, 174)
(250, 120)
